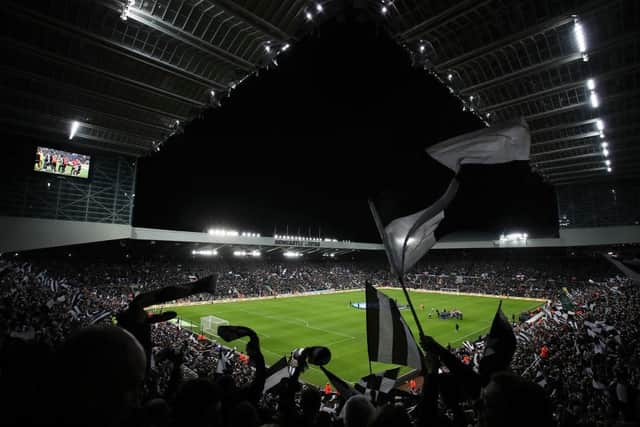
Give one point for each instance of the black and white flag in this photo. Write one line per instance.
(375, 384)
(224, 359)
(389, 339)
(275, 373)
(341, 386)
(500, 345)
(408, 237)
(98, 316)
(500, 143)
(629, 267)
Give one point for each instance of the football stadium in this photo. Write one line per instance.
(353, 213)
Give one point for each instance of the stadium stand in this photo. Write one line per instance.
(584, 359)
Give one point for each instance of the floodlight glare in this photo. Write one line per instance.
(286, 46)
(319, 7)
(384, 10)
(605, 152)
(267, 48)
(595, 102)
(602, 134)
(591, 84)
(74, 128)
(421, 48)
(604, 144)
(309, 16)
(581, 40)
(609, 170)
(450, 76)
(607, 162)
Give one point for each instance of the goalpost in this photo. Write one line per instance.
(209, 324)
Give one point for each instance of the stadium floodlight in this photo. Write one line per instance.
(449, 76)
(267, 48)
(602, 134)
(384, 9)
(240, 253)
(291, 254)
(600, 125)
(595, 102)
(286, 46)
(471, 98)
(205, 252)
(579, 34)
(609, 170)
(319, 7)
(258, 235)
(421, 48)
(309, 16)
(255, 253)
(604, 144)
(605, 152)
(74, 128)
(607, 162)
(591, 84)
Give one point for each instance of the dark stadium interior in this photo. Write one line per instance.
(320, 213)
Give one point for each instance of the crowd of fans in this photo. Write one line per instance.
(576, 364)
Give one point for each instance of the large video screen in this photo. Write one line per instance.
(60, 162)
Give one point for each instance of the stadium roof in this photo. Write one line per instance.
(133, 72)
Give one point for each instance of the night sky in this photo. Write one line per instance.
(342, 117)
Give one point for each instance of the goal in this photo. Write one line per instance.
(209, 324)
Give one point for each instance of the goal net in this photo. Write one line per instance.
(209, 324)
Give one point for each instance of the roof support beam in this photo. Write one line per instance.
(262, 25)
(532, 95)
(442, 18)
(500, 44)
(566, 159)
(185, 37)
(562, 150)
(91, 93)
(564, 126)
(553, 111)
(103, 73)
(576, 172)
(120, 48)
(48, 130)
(551, 63)
(567, 138)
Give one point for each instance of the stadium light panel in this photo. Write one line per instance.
(319, 7)
(384, 10)
(607, 162)
(240, 253)
(255, 253)
(309, 16)
(604, 144)
(609, 170)
(267, 48)
(291, 254)
(286, 46)
(602, 134)
(600, 125)
(449, 76)
(605, 152)
(579, 34)
(591, 84)
(595, 102)
(75, 125)
(421, 48)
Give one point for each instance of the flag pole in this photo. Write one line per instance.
(413, 310)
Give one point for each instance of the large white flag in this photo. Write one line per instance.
(408, 238)
(501, 143)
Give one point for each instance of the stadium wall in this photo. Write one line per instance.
(20, 234)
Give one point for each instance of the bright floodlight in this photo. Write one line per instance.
(291, 254)
(604, 144)
(600, 125)
(309, 16)
(602, 134)
(591, 84)
(255, 253)
(286, 46)
(240, 253)
(607, 162)
(74, 128)
(421, 48)
(609, 170)
(581, 40)
(319, 7)
(595, 102)
(384, 10)
(450, 76)
(605, 152)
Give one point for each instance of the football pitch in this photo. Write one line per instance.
(329, 320)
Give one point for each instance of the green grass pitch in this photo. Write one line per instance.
(284, 324)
